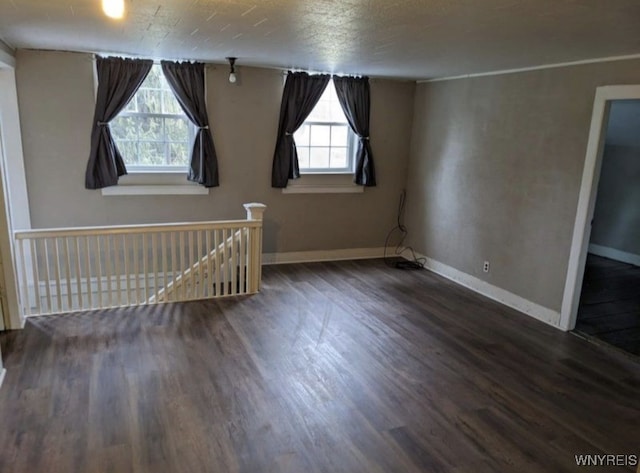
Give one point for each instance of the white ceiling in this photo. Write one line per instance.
(390, 38)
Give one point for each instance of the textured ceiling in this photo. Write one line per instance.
(390, 38)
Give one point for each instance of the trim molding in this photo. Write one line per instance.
(2, 375)
(614, 254)
(534, 68)
(327, 189)
(543, 314)
(322, 255)
(129, 189)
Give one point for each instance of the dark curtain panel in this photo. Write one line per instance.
(301, 94)
(354, 97)
(118, 81)
(187, 82)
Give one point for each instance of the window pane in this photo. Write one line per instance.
(320, 135)
(151, 154)
(337, 115)
(155, 78)
(176, 129)
(129, 151)
(124, 128)
(132, 106)
(149, 101)
(339, 136)
(301, 136)
(321, 112)
(150, 128)
(171, 105)
(178, 154)
(319, 157)
(303, 157)
(338, 158)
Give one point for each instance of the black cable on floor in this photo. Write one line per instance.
(415, 262)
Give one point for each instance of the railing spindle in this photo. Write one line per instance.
(173, 265)
(192, 292)
(207, 266)
(99, 271)
(234, 262)
(215, 265)
(56, 268)
(78, 272)
(26, 303)
(154, 253)
(136, 267)
(163, 250)
(67, 271)
(125, 263)
(108, 264)
(242, 277)
(36, 274)
(200, 272)
(48, 273)
(87, 275)
(183, 267)
(145, 265)
(116, 269)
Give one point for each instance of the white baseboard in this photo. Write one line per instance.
(322, 255)
(548, 316)
(507, 298)
(614, 254)
(2, 374)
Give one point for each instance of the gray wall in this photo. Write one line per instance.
(55, 91)
(495, 170)
(616, 220)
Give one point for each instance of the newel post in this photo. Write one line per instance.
(255, 210)
(255, 213)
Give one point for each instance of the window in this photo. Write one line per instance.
(325, 141)
(152, 132)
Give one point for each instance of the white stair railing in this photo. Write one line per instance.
(211, 266)
(75, 269)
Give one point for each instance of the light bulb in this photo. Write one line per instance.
(113, 8)
(232, 78)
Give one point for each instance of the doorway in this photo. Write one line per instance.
(602, 291)
(609, 307)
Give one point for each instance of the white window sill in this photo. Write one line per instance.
(155, 190)
(323, 184)
(155, 183)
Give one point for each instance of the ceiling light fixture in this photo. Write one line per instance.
(113, 8)
(232, 72)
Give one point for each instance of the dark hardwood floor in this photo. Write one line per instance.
(610, 303)
(333, 367)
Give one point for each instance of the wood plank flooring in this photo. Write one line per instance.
(333, 367)
(610, 303)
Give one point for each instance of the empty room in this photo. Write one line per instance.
(319, 236)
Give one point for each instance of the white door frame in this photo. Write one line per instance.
(587, 198)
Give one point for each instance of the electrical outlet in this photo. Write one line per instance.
(485, 267)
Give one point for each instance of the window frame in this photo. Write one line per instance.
(192, 129)
(351, 143)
